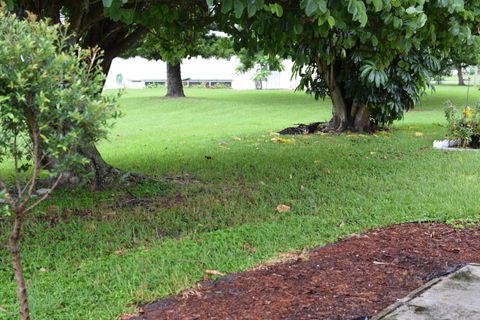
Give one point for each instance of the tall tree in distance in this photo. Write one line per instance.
(263, 65)
(189, 43)
(460, 58)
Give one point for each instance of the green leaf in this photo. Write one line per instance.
(311, 7)
(279, 10)
(377, 79)
(238, 8)
(322, 6)
(352, 8)
(227, 6)
(371, 76)
(276, 9)
(411, 10)
(251, 9)
(331, 21)
(378, 4)
(107, 3)
(298, 28)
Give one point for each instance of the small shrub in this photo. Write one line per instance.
(464, 125)
(50, 105)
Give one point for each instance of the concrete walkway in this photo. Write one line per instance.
(453, 297)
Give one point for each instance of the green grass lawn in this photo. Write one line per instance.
(88, 257)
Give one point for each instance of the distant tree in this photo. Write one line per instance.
(263, 65)
(49, 97)
(159, 45)
(461, 58)
(373, 58)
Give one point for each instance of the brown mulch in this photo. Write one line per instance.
(352, 279)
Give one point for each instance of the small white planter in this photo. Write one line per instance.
(450, 145)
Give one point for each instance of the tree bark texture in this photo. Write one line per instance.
(174, 81)
(461, 80)
(347, 114)
(14, 247)
(103, 174)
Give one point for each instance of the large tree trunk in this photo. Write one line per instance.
(174, 81)
(461, 80)
(104, 175)
(347, 114)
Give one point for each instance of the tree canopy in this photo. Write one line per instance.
(374, 58)
(91, 24)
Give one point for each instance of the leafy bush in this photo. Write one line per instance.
(464, 125)
(50, 105)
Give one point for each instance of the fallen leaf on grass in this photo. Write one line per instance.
(283, 140)
(4, 310)
(282, 208)
(327, 170)
(418, 134)
(42, 270)
(237, 138)
(214, 273)
(193, 291)
(120, 252)
(295, 255)
(52, 209)
(249, 247)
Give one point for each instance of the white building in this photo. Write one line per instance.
(138, 72)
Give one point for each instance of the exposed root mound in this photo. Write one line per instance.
(326, 127)
(304, 128)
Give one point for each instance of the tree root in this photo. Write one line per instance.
(312, 128)
(323, 127)
(303, 128)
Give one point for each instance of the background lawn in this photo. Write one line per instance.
(94, 255)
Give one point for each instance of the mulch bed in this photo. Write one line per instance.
(352, 279)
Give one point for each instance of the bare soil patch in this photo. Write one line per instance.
(352, 279)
